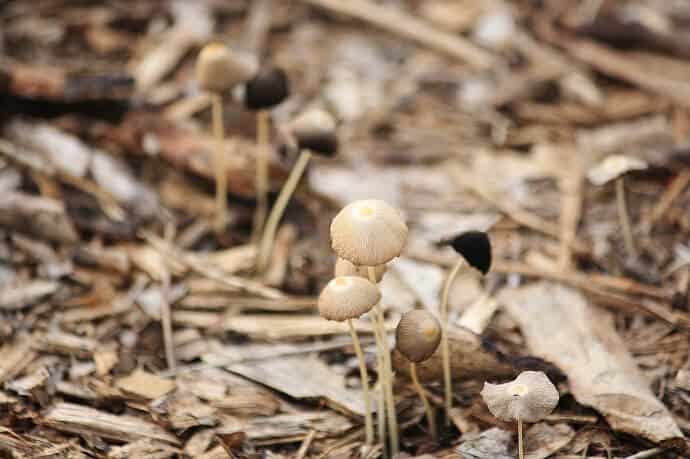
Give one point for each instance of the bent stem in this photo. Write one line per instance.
(427, 406)
(219, 163)
(521, 446)
(387, 375)
(364, 375)
(445, 351)
(278, 209)
(624, 217)
(261, 182)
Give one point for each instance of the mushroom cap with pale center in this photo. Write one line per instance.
(346, 268)
(347, 297)
(612, 167)
(529, 397)
(368, 233)
(418, 335)
(218, 69)
(315, 130)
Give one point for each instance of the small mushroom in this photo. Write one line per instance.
(474, 248)
(343, 299)
(615, 167)
(217, 71)
(346, 268)
(266, 89)
(315, 132)
(417, 338)
(528, 398)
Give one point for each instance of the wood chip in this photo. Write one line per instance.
(145, 385)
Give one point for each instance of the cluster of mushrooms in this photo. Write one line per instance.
(365, 235)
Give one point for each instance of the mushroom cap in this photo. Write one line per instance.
(368, 233)
(530, 397)
(345, 268)
(268, 88)
(347, 297)
(418, 335)
(218, 69)
(612, 167)
(315, 130)
(475, 248)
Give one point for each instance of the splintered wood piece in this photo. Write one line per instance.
(303, 378)
(42, 217)
(14, 297)
(82, 420)
(143, 448)
(560, 326)
(16, 356)
(408, 26)
(64, 343)
(468, 360)
(541, 440)
(145, 385)
(284, 326)
(295, 427)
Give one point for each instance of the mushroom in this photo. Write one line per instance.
(343, 299)
(268, 88)
(346, 268)
(417, 338)
(217, 71)
(315, 132)
(371, 233)
(615, 167)
(474, 248)
(528, 398)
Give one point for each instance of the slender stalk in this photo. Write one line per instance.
(219, 163)
(261, 184)
(364, 375)
(388, 378)
(624, 217)
(278, 209)
(381, 404)
(431, 419)
(521, 445)
(445, 351)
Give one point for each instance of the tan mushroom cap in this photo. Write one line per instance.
(313, 122)
(347, 297)
(613, 167)
(530, 397)
(368, 233)
(418, 335)
(219, 70)
(345, 268)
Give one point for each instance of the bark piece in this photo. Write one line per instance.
(541, 441)
(15, 297)
(82, 420)
(42, 217)
(563, 328)
(145, 385)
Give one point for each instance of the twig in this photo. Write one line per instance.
(647, 453)
(571, 203)
(405, 25)
(662, 206)
(306, 443)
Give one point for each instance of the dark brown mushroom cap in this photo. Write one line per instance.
(474, 247)
(530, 397)
(418, 335)
(315, 130)
(268, 88)
(346, 268)
(347, 297)
(368, 233)
(219, 70)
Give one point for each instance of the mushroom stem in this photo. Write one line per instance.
(261, 184)
(219, 160)
(521, 446)
(445, 351)
(427, 406)
(387, 374)
(281, 203)
(364, 375)
(624, 217)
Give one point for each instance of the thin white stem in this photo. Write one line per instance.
(266, 246)
(219, 163)
(261, 185)
(381, 403)
(431, 419)
(624, 217)
(364, 375)
(445, 350)
(388, 375)
(521, 445)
